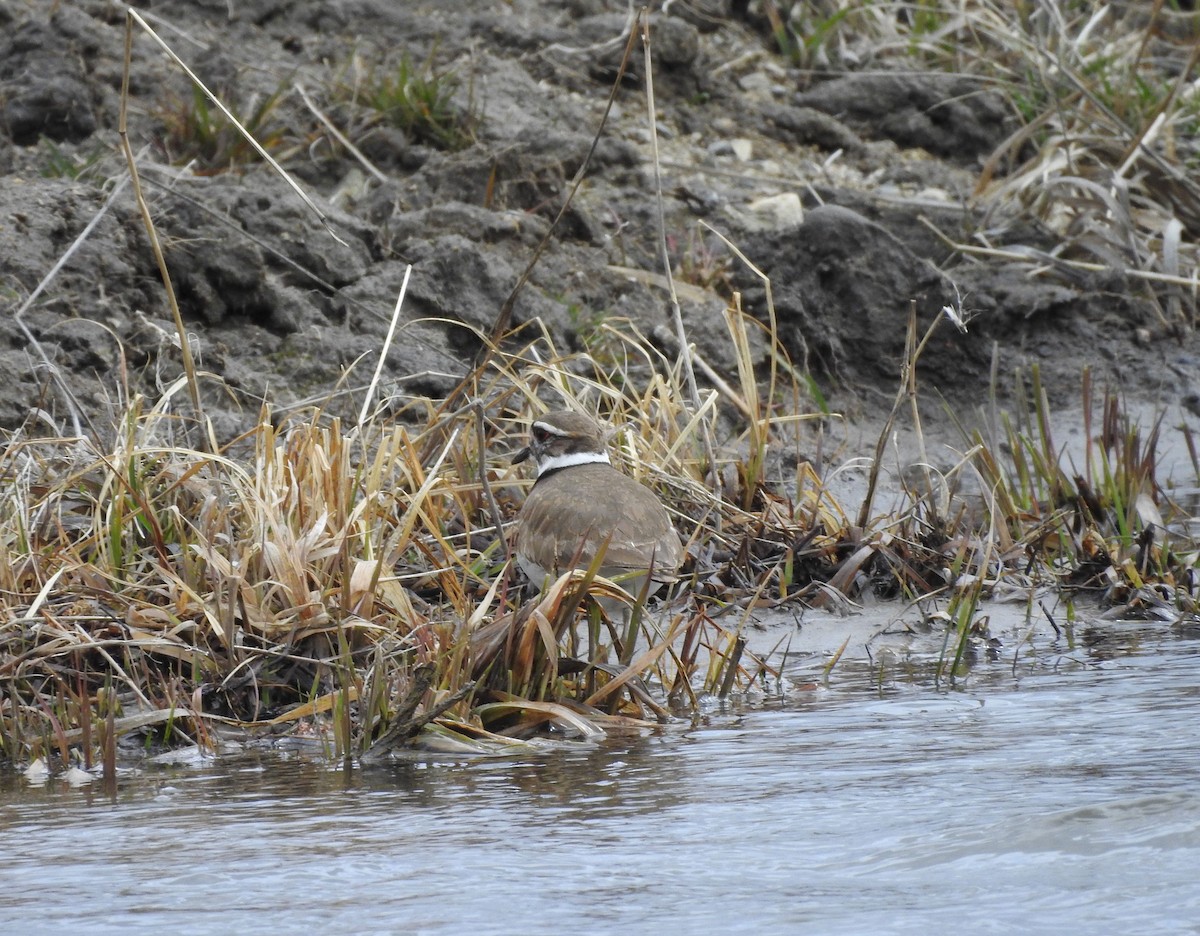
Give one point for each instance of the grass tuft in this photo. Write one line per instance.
(423, 101)
(195, 132)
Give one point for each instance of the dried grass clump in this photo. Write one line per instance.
(328, 567)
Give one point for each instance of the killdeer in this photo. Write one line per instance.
(580, 502)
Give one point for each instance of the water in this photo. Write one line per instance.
(1061, 795)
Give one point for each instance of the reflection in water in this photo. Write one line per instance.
(1059, 795)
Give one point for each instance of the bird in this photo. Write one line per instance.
(580, 504)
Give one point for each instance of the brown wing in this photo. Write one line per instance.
(556, 520)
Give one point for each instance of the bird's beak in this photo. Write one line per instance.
(521, 456)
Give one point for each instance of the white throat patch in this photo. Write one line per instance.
(554, 462)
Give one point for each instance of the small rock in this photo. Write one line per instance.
(775, 212)
(742, 148)
(811, 126)
(676, 43)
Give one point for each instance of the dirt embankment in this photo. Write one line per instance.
(848, 193)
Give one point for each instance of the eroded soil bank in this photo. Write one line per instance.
(849, 191)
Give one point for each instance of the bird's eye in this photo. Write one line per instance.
(540, 433)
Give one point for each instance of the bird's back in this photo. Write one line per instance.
(571, 513)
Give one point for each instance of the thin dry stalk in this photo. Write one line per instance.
(681, 337)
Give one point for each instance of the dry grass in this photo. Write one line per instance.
(327, 567)
(353, 584)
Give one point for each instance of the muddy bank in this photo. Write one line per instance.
(848, 193)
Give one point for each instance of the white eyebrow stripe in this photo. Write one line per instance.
(554, 462)
(553, 430)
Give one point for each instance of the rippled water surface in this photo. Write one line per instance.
(1058, 797)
